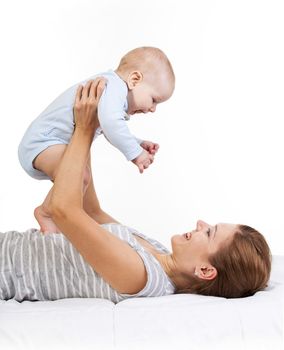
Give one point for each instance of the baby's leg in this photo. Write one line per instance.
(48, 162)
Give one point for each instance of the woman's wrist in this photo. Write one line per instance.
(68, 184)
(85, 133)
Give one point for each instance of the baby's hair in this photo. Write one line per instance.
(146, 59)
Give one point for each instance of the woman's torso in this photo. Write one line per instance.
(48, 267)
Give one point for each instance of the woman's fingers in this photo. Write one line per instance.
(86, 90)
(97, 88)
(78, 94)
(92, 89)
(86, 103)
(100, 88)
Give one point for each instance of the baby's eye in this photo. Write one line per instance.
(208, 232)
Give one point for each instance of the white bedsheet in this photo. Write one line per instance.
(179, 321)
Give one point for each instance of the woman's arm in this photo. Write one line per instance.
(111, 257)
(91, 203)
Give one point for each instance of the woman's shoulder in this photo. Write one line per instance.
(117, 228)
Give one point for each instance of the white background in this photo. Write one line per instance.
(220, 135)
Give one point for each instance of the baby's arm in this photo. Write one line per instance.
(111, 117)
(117, 133)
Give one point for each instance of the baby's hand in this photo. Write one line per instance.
(150, 147)
(143, 161)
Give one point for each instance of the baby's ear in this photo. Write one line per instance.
(134, 78)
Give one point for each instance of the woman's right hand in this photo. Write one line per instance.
(86, 105)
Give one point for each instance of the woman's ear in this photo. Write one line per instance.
(133, 79)
(206, 272)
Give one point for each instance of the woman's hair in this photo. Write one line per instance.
(243, 267)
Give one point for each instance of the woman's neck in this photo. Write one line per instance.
(170, 267)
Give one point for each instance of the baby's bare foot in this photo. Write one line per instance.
(45, 222)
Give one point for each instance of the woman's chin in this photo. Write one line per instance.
(177, 239)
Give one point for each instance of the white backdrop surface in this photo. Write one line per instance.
(220, 135)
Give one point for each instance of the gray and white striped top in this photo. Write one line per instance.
(34, 266)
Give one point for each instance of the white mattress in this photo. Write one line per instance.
(179, 321)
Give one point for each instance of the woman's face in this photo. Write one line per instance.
(191, 250)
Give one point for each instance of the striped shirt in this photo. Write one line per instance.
(34, 267)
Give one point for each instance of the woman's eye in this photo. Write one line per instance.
(208, 232)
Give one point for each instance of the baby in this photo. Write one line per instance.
(143, 79)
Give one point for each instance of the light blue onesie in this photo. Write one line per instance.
(55, 125)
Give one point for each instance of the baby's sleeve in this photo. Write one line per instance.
(111, 117)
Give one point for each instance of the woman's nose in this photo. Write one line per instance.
(201, 224)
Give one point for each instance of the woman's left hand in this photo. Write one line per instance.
(86, 105)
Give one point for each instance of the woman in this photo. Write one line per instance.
(95, 256)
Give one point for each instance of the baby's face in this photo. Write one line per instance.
(144, 97)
